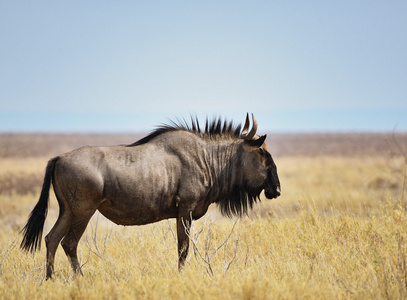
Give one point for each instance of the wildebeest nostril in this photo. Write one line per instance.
(278, 191)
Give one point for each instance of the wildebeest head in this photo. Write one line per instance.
(257, 163)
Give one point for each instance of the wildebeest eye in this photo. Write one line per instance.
(267, 157)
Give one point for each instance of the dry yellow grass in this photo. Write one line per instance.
(338, 231)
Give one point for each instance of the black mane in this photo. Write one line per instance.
(216, 128)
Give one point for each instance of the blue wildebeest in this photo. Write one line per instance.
(176, 171)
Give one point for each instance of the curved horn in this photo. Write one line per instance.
(246, 125)
(252, 132)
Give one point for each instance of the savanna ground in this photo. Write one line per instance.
(339, 230)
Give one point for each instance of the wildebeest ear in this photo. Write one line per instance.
(250, 145)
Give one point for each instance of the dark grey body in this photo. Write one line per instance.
(138, 185)
(176, 173)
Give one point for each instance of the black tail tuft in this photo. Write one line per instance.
(34, 227)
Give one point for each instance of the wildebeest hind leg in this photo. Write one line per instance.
(55, 236)
(71, 240)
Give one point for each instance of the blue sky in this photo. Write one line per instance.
(94, 66)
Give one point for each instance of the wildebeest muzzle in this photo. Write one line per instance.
(272, 193)
(273, 187)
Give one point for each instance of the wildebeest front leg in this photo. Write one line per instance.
(183, 230)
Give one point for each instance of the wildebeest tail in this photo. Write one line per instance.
(35, 225)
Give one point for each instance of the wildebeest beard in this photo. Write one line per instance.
(231, 192)
(239, 200)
